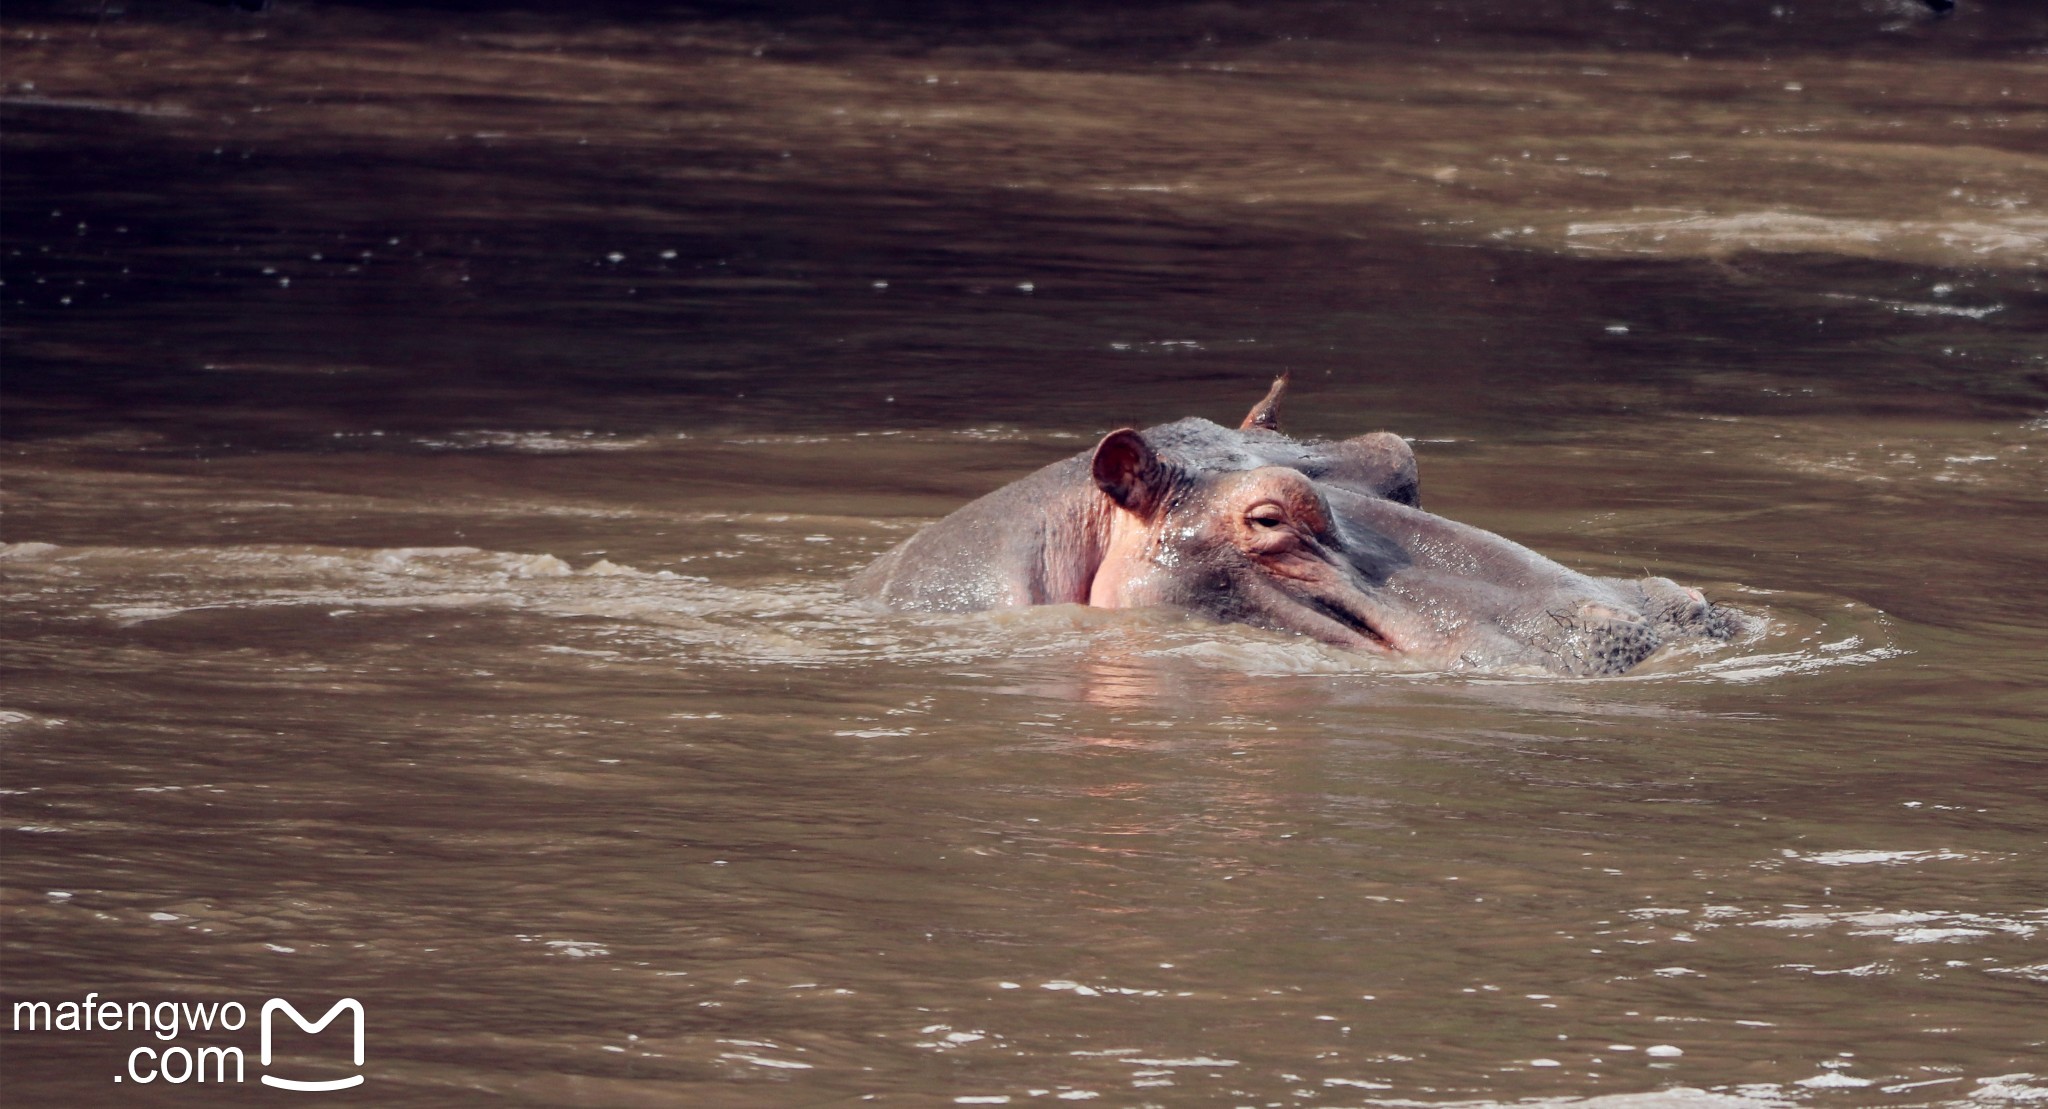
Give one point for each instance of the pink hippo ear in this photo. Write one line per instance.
(1131, 473)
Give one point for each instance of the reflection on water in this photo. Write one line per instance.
(435, 440)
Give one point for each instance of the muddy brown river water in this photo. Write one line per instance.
(435, 439)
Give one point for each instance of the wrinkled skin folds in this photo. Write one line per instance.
(1327, 540)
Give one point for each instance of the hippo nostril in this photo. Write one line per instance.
(1684, 612)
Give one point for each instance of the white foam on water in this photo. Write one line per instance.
(2013, 238)
(1914, 926)
(1674, 1097)
(2008, 1089)
(1874, 858)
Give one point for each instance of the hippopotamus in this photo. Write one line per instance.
(1325, 539)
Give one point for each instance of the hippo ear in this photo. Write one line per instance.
(1266, 413)
(1131, 473)
(1381, 464)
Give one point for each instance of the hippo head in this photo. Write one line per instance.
(1256, 546)
(1327, 540)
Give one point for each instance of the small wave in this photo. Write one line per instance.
(1274, 657)
(82, 104)
(1924, 308)
(1672, 1097)
(1799, 634)
(1910, 926)
(2017, 240)
(1756, 668)
(1873, 858)
(537, 442)
(26, 551)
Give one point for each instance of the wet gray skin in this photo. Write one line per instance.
(1326, 539)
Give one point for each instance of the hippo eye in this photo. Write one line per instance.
(1266, 516)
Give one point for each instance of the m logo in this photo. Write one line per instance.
(350, 1004)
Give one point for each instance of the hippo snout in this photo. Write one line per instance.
(1614, 632)
(1603, 639)
(1682, 612)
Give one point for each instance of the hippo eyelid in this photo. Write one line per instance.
(1266, 515)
